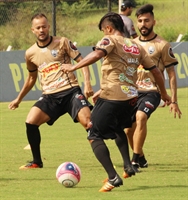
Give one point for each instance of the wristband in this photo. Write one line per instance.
(174, 102)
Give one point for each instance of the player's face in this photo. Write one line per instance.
(145, 23)
(40, 28)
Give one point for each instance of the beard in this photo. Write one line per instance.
(43, 39)
(146, 31)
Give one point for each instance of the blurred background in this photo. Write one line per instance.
(78, 19)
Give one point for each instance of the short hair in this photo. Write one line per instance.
(37, 16)
(148, 8)
(127, 4)
(114, 20)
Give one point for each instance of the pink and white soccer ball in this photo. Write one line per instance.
(68, 174)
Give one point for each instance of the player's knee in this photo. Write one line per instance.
(141, 117)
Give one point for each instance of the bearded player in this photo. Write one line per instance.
(149, 97)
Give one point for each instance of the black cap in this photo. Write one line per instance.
(128, 4)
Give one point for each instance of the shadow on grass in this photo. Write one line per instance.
(146, 187)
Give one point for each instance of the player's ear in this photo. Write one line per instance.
(154, 22)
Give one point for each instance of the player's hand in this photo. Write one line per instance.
(95, 96)
(166, 98)
(174, 108)
(66, 68)
(14, 104)
(88, 90)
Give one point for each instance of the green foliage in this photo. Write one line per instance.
(185, 37)
(76, 9)
(79, 21)
(165, 149)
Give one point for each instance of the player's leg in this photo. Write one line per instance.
(103, 127)
(84, 117)
(79, 108)
(35, 118)
(122, 144)
(130, 134)
(139, 136)
(147, 103)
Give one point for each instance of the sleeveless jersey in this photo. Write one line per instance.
(161, 53)
(119, 67)
(47, 60)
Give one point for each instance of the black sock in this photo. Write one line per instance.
(123, 146)
(103, 155)
(33, 136)
(135, 157)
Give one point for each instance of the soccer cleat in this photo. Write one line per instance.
(136, 167)
(143, 162)
(31, 165)
(128, 171)
(110, 184)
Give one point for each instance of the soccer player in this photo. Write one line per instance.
(117, 96)
(61, 92)
(126, 10)
(149, 97)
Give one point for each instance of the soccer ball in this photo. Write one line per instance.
(68, 174)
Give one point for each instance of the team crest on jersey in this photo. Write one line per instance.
(171, 54)
(54, 52)
(72, 46)
(151, 50)
(105, 42)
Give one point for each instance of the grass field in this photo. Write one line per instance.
(166, 149)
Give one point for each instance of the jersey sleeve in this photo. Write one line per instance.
(31, 67)
(168, 57)
(70, 48)
(106, 45)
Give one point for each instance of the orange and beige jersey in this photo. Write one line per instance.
(48, 62)
(119, 67)
(160, 51)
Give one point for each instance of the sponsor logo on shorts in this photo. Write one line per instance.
(80, 96)
(40, 99)
(149, 105)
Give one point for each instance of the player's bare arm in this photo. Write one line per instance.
(173, 87)
(88, 91)
(96, 96)
(160, 82)
(29, 83)
(88, 60)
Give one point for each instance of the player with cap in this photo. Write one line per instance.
(126, 10)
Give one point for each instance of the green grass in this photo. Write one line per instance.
(166, 149)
